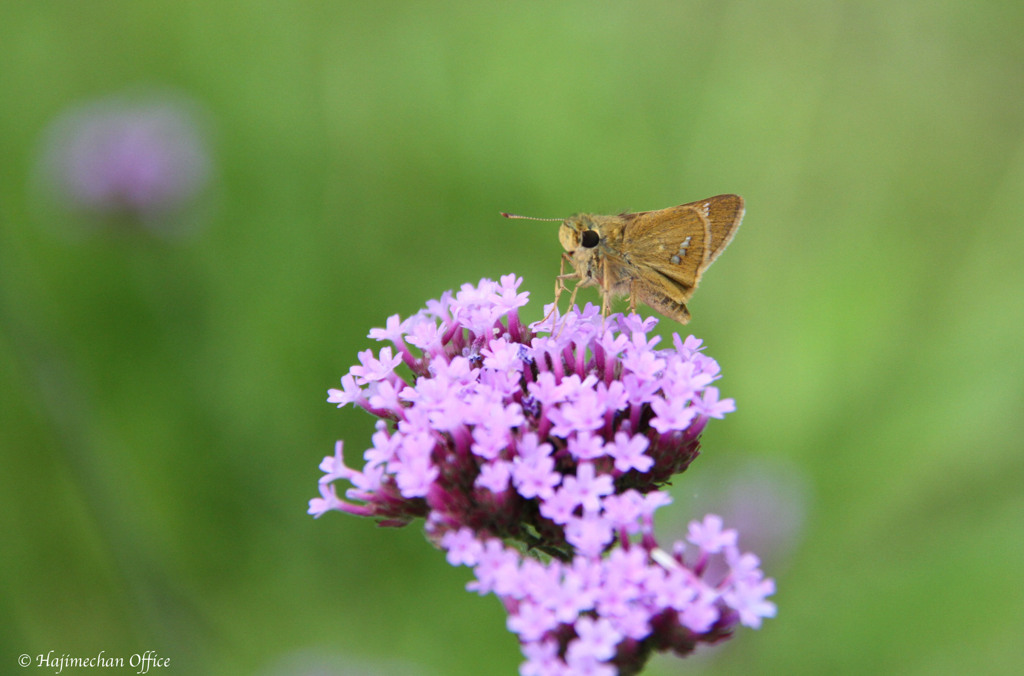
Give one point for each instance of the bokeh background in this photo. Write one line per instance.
(164, 364)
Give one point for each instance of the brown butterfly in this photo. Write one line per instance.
(654, 257)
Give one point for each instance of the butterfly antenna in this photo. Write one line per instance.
(530, 218)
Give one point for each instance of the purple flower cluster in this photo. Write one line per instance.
(536, 455)
(143, 157)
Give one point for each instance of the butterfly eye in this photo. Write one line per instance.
(589, 239)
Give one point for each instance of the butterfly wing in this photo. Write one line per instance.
(724, 213)
(671, 248)
(671, 242)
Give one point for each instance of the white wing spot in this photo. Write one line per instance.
(683, 247)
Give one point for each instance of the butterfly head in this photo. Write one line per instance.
(578, 232)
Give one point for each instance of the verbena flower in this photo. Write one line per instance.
(537, 456)
(142, 158)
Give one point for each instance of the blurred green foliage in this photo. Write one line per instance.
(163, 415)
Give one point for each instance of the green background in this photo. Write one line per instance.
(163, 414)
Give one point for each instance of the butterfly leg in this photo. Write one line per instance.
(575, 288)
(605, 291)
(560, 287)
(560, 280)
(632, 297)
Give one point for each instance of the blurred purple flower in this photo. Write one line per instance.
(765, 498)
(554, 440)
(141, 158)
